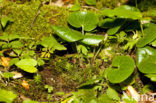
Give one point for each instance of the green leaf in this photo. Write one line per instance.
(145, 52)
(104, 98)
(7, 37)
(126, 11)
(149, 36)
(90, 82)
(93, 39)
(5, 20)
(7, 96)
(75, 7)
(90, 2)
(67, 34)
(148, 65)
(147, 88)
(40, 62)
(85, 20)
(13, 61)
(122, 68)
(50, 88)
(51, 42)
(123, 11)
(112, 94)
(27, 65)
(152, 13)
(152, 77)
(16, 45)
(8, 75)
(146, 60)
(29, 101)
(82, 49)
(108, 12)
(153, 43)
(113, 24)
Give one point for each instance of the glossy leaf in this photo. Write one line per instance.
(113, 24)
(27, 65)
(7, 96)
(90, 2)
(67, 34)
(124, 11)
(149, 36)
(145, 52)
(122, 68)
(148, 65)
(93, 39)
(146, 59)
(81, 19)
(51, 42)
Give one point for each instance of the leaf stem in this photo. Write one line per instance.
(82, 30)
(142, 31)
(136, 4)
(80, 62)
(95, 55)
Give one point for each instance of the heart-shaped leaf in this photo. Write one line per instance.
(81, 19)
(7, 96)
(93, 39)
(149, 36)
(67, 34)
(122, 68)
(27, 65)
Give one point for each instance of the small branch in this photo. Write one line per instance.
(96, 55)
(38, 12)
(35, 18)
(89, 7)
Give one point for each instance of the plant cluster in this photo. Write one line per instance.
(124, 26)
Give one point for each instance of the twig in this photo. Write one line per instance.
(38, 12)
(89, 7)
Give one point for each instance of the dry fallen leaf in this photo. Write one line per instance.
(5, 61)
(25, 84)
(17, 75)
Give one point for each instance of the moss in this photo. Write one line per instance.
(108, 3)
(24, 14)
